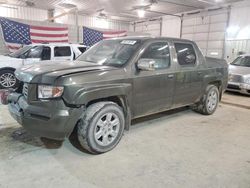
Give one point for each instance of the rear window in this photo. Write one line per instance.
(62, 51)
(185, 54)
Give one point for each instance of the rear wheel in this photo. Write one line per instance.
(8, 79)
(101, 129)
(209, 102)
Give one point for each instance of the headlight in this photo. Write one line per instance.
(47, 92)
(247, 80)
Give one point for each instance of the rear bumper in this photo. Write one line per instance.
(239, 87)
(51, 119)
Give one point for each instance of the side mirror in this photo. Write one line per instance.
(146, 64)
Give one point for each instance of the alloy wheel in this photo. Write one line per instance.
(7, 80)
(212, 100)
(107, 129)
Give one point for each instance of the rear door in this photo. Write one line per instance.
(188, 75)
(63, 53)
(153, 90)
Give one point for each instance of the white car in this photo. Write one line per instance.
(239, 75)
(32, 54)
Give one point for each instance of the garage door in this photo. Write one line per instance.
(151, 27)
(234, 48)
(208, 31)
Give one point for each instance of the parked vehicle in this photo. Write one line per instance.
(113, 82)
(32, 54)
(239, 75)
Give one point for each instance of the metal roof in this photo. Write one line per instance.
(122, 8)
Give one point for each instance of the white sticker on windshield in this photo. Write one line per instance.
(130, 42)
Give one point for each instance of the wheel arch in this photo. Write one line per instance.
(120, 100)
(85, 96)
(218, 84)
(8, 68)
(216, 80)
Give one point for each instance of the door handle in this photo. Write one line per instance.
(170, 76)
(199, 73)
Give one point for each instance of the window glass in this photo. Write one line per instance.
(34, 52)
(159, 52)
(46, 53)
(82, 49)
(20, 52)
(243, 61)
(185, 54)
(111, 52)
(62, 51)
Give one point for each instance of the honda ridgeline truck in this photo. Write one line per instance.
(115, 81)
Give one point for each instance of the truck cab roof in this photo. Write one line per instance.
(145, 38)
(56, 44)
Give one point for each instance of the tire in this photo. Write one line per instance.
(101, 128)
(8, 79)
(209, 102)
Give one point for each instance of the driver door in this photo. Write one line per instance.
(154, 89)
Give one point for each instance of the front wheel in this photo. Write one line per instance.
(8, 80)
(101, 128)
(209, 102)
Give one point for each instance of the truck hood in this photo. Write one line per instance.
(7, 58)
(239, 70)
(47, 72)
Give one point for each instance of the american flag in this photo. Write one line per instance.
(17, 34)
(92, 36)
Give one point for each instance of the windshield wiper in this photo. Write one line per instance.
(88, 61)
(111, 65)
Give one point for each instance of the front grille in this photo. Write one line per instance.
(25, 90)
(235, 78)
(230, 86)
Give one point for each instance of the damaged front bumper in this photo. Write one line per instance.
(49, 119)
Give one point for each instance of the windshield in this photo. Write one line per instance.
(110, 52)
(243, 61)
(19, 52)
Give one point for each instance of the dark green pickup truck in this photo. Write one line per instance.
(112, 83)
